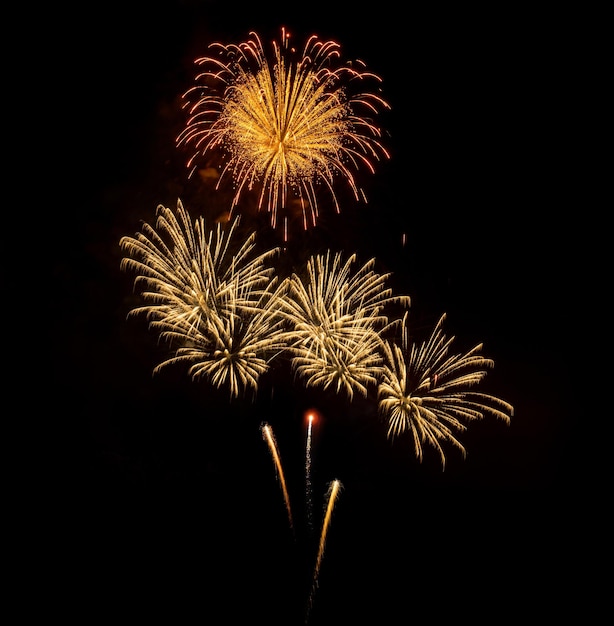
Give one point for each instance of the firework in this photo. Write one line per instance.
(267, 434)
(336, 318)
(425, 391)
(212, 305)
(334, 490)
(287, 123)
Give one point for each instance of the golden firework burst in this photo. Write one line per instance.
(426, 392)
(287, 126)
(207, 295)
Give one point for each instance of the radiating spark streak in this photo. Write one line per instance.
(267, 434)
(288, 123)
(308, 498)
(333, 493)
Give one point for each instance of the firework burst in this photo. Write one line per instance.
(425, 391)
(337, 320)
(289, 124)
(212, 303)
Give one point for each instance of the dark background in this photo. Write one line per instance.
(166, 501)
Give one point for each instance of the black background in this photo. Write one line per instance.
(167, 502)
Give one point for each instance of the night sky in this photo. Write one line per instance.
(167, 499)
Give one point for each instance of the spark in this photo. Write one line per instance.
(288, 123)
(425, 392)
(267, 434)
(208, 296)
(336, 318)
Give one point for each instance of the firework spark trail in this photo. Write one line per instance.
(267, 434)
(333, 493)
(308, 498)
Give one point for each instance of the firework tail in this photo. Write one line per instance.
(333, 493)
(267, 434)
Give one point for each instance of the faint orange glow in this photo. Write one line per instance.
(312, 417)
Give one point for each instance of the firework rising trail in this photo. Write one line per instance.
(308, 498)
(290, 123)
(267, 434)
(334, 489)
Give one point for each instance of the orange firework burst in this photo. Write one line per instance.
(288, 125)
